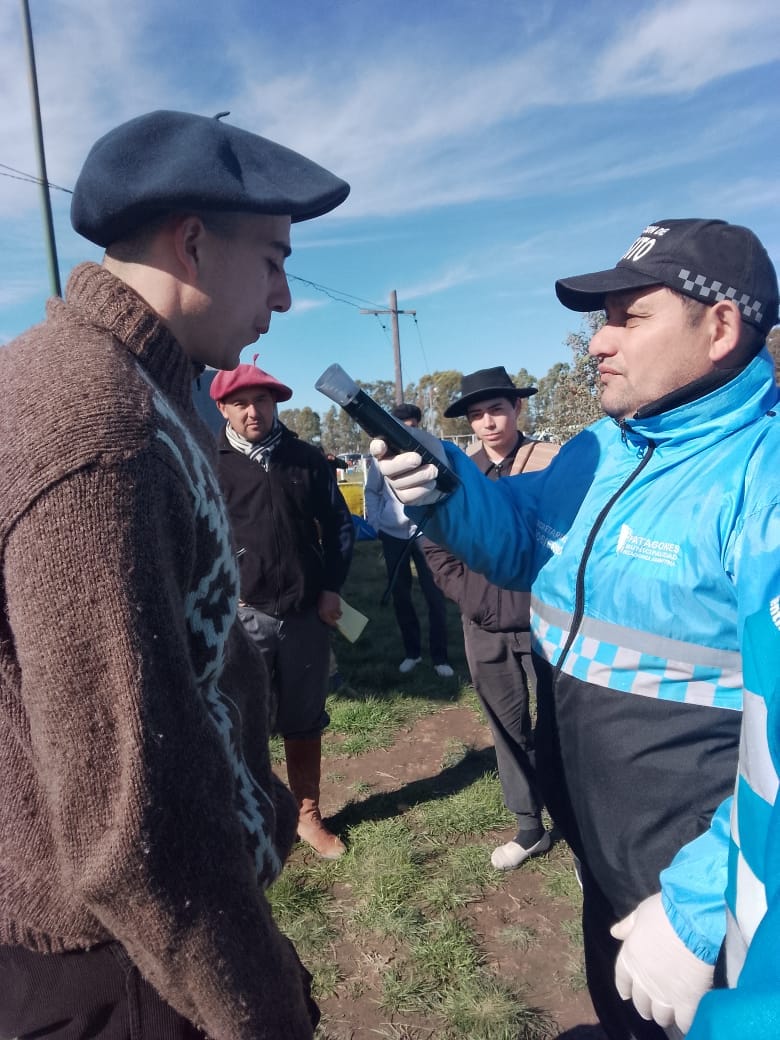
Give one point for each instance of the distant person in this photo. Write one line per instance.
(294, 538)
(649, 544)
(337, 464)
(496, 621)
(140, 822)
(400, 546)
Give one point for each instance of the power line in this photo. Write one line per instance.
(337, 295)
(342, 297)
(383, 327)
(422, 348)
(20, 175)
(393, 311)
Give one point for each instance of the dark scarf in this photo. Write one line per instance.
(257, 451)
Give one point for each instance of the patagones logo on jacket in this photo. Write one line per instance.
(631, 544)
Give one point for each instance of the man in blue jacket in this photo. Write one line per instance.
(648, 544)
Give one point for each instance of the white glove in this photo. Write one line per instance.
(656, 969)
(413, 483)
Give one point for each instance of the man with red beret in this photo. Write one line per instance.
(294, 537)
(140, 821)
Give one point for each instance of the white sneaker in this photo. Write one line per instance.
(408, 663)
(577, 870)
(511, 855)
(443, 670)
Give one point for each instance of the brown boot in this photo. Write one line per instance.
(303, 775)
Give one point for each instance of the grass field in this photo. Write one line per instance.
(412, 934)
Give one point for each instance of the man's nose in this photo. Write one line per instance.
(602, 342)
(282, 299)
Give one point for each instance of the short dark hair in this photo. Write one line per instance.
(134, 248)
(405, 411)
(751, 338)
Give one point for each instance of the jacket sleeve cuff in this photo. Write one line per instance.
(693, 888)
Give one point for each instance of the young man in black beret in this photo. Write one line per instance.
(496, 621)
(650, 545)
(140, 822)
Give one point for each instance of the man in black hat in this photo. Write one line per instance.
(496, 621)
(648, 545)
(140, 821)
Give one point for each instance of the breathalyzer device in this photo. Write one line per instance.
(341, 388)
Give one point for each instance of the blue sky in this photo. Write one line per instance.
(492, 146)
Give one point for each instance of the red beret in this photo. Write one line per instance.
(242, 378)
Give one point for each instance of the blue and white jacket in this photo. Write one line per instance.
(646, 545)
(752, 1009)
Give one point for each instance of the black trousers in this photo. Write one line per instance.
(405, 614)
(97, 993)
(619, 1018)
(498, 662)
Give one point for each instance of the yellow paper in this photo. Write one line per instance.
(352, 622)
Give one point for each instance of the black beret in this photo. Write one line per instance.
(166, 162)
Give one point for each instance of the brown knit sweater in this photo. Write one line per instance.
(138, 802)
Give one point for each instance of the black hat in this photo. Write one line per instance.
(166, 162)
(708, 260)
(479, 386)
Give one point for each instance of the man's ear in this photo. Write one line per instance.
(221, 406)
(188, 243)
(725, 328)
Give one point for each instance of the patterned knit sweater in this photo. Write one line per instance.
(138, 802)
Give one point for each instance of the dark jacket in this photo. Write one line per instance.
(292, 528)
(487, 605)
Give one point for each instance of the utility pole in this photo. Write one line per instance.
(54, 271)
(394, 312)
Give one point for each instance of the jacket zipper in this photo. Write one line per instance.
(579, 594)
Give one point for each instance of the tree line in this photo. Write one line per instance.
(566, 402)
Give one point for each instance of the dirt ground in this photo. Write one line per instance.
(544, 970)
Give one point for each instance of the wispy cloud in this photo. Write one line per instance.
(300, 306)
(685, 45)
(579, 120)
(417, 122)
(449, 279)
(746, 194)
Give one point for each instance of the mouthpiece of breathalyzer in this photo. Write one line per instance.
(344, 391)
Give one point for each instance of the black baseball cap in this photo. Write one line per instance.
(708, 260)
(167, 162)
